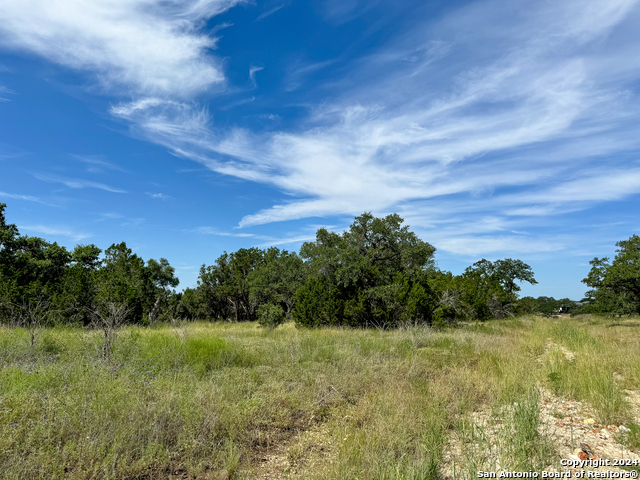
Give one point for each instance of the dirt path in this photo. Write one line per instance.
(308, 450)
(567, 423)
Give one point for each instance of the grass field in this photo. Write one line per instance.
(223, 400)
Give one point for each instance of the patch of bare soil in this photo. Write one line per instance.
(303, 451)
(551, 345)
(308, 451)
(568, 424)
(571, 426)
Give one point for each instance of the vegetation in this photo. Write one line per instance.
(213, 400)
(615, 286)
(377, 274)
(547, 306)
(107, 372)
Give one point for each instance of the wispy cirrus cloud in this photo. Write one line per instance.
(5, 93)
(262, 240)
(77, 183)
(109, 216)
(10, 152)
(252, 73)
(500, 109)
(57, 231)
(530, 112)
(97, 163)
(472, 245)
(145, 46)
(270, 11)
(28, 198)
(295, 239)
(221, 233)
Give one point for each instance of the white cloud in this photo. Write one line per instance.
(58, 231)
(97, 163)
(252, 73)
(296, 239)
(474, 245)
(272, 10)
(77, 183)
(160, 196)
(29, 198)
(502, 109)
(5, 93)
(265, 240)
(133, 222)
(544, 103)
(109, 216)
(148, 46)
(219, 233)
(596, 185)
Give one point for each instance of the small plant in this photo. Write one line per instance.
(632, 437)
(530, 450)
(270, 316)
(109, 317)
(32, 315)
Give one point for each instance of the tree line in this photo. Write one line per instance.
(377, 273)
(615, 284)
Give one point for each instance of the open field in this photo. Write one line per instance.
(222, 400)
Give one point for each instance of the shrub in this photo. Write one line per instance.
(318, 303)
(270, 316)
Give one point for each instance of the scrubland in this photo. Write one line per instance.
(234, 400)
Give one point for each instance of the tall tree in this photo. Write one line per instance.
(490, 288)
(31, 269)
(228, 280)
(80, 284)
(163, 277)
(276, 279)
(370, 274)
(124, 280)
(615, 286)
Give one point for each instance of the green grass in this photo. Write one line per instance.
(209, 400)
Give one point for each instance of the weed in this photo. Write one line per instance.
(632, 437)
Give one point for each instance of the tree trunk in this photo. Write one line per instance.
(235, 308)
(152, 313)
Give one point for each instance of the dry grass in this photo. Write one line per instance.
(237, 401)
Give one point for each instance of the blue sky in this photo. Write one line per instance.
(185, 128)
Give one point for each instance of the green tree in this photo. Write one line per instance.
(163, 277)
(490, 288)
(450, 293)
(615, 286)
(227, 281)
(276, 279)
(375, 273)
(270, 316)
(319, 302)
(123, 280)
(31, 269)
(192, 305)
(79, 285)
(508, 271)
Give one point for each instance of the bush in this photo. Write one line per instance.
(270, 316)
(318, 303)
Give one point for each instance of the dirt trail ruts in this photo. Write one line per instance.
(569, 424)
(308, 450)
